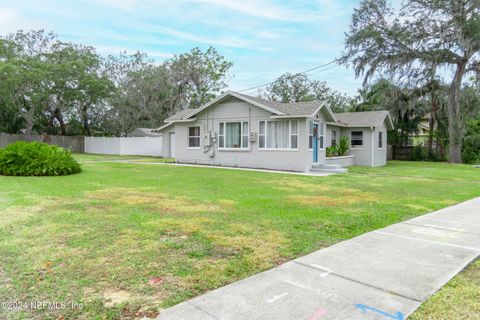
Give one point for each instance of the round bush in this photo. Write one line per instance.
(36, 159)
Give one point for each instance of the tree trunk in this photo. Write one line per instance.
(59, 117)
(28, 116)
(454, 117)
(50, 127)
(86, 125)
(431, 126)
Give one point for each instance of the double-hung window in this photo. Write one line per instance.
(334, 138)
(281, 134)
(356, 139)
(321, 135)
(310, 136)
(380, 139)
(194, 137)
(233, 135)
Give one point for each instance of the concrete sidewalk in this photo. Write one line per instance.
(384, 274)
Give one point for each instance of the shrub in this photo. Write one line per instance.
(36, 159)
(418, 154)
(343, 146)
(331, 151)
(471, 149)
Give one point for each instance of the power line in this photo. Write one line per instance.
(303, 72)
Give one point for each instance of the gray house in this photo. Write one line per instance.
(240, 130)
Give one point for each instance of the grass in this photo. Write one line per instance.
(459, 299)
(86, 157)
(98, 238)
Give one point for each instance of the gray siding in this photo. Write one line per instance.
(363, 155)
(237, 110)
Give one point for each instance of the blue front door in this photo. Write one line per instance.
(315, 142)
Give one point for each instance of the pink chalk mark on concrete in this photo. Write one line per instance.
(318, 314)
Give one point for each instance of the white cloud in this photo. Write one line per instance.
(229, 41)
(258, 8)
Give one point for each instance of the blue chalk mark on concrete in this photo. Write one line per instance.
(365, 309)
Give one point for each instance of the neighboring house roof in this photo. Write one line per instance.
(143, 132)
(365, 119)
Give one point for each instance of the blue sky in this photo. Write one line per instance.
(264, 38)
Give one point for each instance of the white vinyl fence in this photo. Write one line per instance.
(140, 146)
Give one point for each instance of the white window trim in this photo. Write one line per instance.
(332, 137)
(322, 134)
(378, 141)
(310, 134)
(289, 136)
(199, 138)
(357, 147)
(224, 135)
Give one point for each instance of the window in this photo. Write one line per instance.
(194, 137)
(293, 134)
(380, 139)
(310, 136)
(261, 135)
(233, 135)
(356, 138)
(281, 134)
(334, 138)
(321, 135)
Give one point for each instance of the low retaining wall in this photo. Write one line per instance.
(344, 161)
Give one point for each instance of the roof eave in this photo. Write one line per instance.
(184, 120)
(291, 116)
(163, 127)
(329, 111)
(390, 121)
(233, 94)
(337, 124)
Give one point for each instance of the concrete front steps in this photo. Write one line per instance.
(328, 168)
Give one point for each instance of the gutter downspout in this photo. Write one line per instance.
(373, 145)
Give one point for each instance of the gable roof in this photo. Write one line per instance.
(304, 108)
(295, 109)
(365, 119)
(300, 109)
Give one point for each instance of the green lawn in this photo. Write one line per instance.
(84, 157)
(98, 237)
(459, 299)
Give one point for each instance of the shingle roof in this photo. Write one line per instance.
(350, 119)
(291, 109)
(362, 119)
(147, 132)
(180, 115)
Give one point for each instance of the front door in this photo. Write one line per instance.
(171, 141)
(315, 142)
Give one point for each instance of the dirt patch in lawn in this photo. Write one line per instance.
(291, 185)
(155, 200)
(261, 250)
(345, 198)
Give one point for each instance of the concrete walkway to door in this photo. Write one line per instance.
(384, 274)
